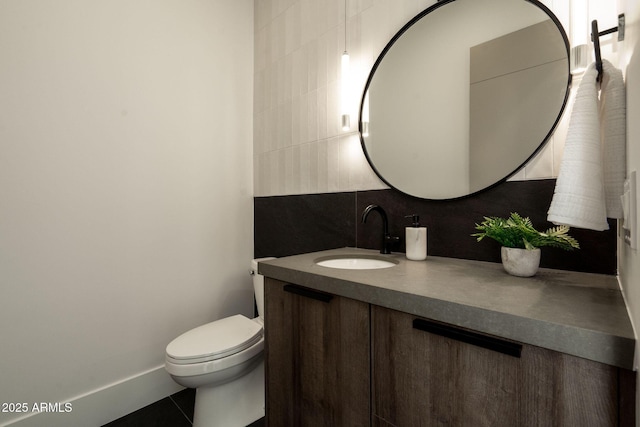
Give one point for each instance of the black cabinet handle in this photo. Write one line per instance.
(308, 293)
(490, 343)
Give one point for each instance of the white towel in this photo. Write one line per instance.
(613, 128)
(578, 199)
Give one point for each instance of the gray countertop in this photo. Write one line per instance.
(582, 314)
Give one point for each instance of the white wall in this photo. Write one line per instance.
(126, 211)
(299, 146)
(629, 259)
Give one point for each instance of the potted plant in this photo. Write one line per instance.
(521, 242)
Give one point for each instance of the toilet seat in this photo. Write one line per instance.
(214, 341)
(216, 349)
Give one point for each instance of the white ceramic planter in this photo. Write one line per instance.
(520, 262)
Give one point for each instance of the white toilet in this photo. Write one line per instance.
(223, 361)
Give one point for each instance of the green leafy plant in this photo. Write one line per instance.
(518, 232)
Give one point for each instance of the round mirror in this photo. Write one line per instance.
(464, 95)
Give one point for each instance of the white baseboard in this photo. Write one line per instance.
(105, 404)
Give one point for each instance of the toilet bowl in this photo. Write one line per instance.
(223, 361)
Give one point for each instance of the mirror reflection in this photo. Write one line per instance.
(464, 95)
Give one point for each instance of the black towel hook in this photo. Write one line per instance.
(595, 37)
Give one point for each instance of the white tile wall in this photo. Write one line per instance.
(299, 146)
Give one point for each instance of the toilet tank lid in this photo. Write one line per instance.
(254, 263)
(215, 340)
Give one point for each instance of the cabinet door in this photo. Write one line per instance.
(423, 378)
(317, 358)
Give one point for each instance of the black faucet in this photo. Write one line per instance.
(387, 239)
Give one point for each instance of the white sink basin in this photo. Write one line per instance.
(356, 262)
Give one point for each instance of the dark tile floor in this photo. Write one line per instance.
(173, 411)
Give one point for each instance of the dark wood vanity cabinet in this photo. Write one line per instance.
(317, 358)
(426, 375)
(334, 361)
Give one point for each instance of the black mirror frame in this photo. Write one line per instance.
(399, 34)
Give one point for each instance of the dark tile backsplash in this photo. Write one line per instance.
(288, 225)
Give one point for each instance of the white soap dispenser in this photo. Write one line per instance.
(416, 239)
